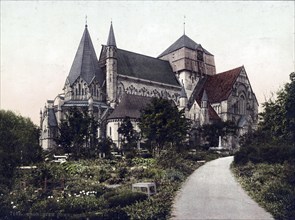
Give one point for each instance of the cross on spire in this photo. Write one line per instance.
(184, 25)
(86, 21)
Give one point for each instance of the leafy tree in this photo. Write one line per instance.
(78, 133)
(211, 132)
(19, 144)
(162, 124)
(129, 135)
(278, 117)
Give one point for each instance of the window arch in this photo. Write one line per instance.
(242, 104)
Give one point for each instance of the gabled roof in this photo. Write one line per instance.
(145, 67)
(183, 41)
(219, 86)
(85, 64)
(130, 106)
(111, 38)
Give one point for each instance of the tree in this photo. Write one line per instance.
(278, 117)
(129, 135)
(19, 144)
(211, 132)
(78, 133)
(162, 124)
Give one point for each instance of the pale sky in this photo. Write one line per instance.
(39, 40)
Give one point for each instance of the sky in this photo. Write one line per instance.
(39, 40)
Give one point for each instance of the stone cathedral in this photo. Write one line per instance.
(120, 83)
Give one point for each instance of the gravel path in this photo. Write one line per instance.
(212, 192)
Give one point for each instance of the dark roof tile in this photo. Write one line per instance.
(183, 41)
(145, 67)
(85, 64)
(219, 86)
(130, 106)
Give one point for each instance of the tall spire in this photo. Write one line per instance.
(111, 38)
(85, 63)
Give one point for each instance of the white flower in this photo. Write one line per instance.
(11, 203)
(14, 207)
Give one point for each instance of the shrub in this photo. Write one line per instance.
(174, 175)
(126, 198)
(269, 153)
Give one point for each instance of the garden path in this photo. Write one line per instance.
(212, 192)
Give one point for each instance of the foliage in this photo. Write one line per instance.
(163, 125)
(84, 193)
(125, 198)
(271, 185)
(129, 135)
(19, 144)
(211, 132)
(265, 162)
(78, 133)
(278, 117)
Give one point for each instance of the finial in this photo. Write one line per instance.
(86, 21)
(184, 25)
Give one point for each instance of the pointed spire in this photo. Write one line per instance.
(204, 97)
(85, 64)
(111, 38)
(182, 93)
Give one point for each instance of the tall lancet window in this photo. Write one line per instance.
(242, 105)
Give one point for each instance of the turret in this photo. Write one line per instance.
(111, 68)
(90, 104)
(182, 99)
(41, 118)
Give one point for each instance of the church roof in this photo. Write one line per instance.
(219, 86)
(183, 41)
(85, 64)
(111, 38)
(52, 122)
(145, 67)
(130, 106)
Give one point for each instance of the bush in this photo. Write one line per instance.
(269, 153)
(126, 198)
(271, 186)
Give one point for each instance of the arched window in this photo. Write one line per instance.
(82, 91)
(242, 105)
(79, 90)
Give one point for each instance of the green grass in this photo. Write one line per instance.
(270, 185)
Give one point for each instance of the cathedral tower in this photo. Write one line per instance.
(190, 61)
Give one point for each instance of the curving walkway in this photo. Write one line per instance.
(212, 192)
